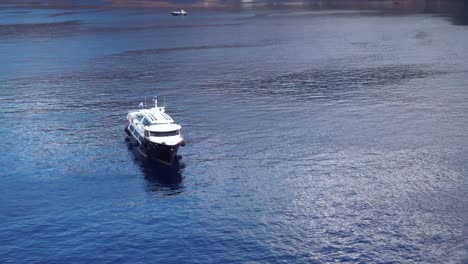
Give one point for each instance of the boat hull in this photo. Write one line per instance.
(165, 154)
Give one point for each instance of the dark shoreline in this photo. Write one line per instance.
(455, 10)
(434, 5)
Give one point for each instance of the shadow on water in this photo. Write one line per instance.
(330, 83)
(161, 179)
(456, 11)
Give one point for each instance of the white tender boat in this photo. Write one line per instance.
(154, 133)
(179, 13)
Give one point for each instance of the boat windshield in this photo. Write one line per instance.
(164, 134)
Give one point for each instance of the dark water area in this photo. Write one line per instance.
(313, 136)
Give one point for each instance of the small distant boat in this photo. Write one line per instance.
(179, 13)
(154, 133)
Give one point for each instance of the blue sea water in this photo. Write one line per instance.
(312, 137)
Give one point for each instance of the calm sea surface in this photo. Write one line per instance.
(312, 136)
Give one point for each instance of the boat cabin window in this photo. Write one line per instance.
(165, 134)
(145, 122)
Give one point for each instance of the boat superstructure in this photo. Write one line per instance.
(179, 13)
(154, 133)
